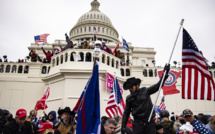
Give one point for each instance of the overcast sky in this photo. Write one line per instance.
(144, 23)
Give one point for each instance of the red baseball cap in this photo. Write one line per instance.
(44, 126)
(21, 113)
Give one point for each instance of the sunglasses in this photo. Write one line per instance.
(186, 116)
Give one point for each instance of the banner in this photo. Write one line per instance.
(170, 84)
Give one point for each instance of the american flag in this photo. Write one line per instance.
(41, 38)
(162, 104)
(115, 105)
(95, 31)
(196, 79)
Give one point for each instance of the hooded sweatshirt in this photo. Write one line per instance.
(53, 120)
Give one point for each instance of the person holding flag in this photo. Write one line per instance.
(140, 104)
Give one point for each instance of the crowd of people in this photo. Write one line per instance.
(138, 103)
(84, 45)
(62, 122)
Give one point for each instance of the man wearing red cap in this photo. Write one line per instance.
(19, 125)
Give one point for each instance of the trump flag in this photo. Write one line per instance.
(41, 104)
(115, 105)
(169, 86)
(89, 114)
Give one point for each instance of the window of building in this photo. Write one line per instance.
(122, 71)
(8, 69)
(150, 73)
(127, 72)
(89, 29)
(20, 69)
(26, 69)
(145, 72)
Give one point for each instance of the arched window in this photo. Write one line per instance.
(98, 29)
(85, 29)
(61, 59)
(108, 60)
(14, 69)
(20, 69)
(53, 62)
(81, 30)
(48, 69)
(81, 56)
(112, 63)
(89, 29)
(103, 58)
(91, 16)
(127, 72)
(57, 61)
(214, 74)
(26, 69)
(155, 72)
(88, 57)
(117, 64)
(73, 56)
(2, 69)
(150, 73)
(122, 71)
(8, 69)
(44, 69)
(145, 72)
(103, 30)
(66, 57)
(94, 16)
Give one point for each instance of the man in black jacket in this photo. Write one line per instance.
(140, 104)
(19, 125)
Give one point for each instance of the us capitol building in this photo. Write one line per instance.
(23, 84)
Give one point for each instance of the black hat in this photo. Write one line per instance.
(66, 109)
(130, 82)
(164, 113)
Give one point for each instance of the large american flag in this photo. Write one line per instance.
(197, 82)
(162, 104)
(41, 38)
(115, 105)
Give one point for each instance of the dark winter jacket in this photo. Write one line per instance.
(53, 120)
(140, 104)
(13, 128)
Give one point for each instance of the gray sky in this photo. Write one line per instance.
(144, 23)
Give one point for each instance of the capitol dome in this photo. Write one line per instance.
(84, 28)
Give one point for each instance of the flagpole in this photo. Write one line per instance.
(115, 91)
(181, 24)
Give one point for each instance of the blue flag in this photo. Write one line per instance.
(125, 44)
(89, 114)
(157, 109)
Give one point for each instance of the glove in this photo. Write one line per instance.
(166, 68)
(122, 130)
